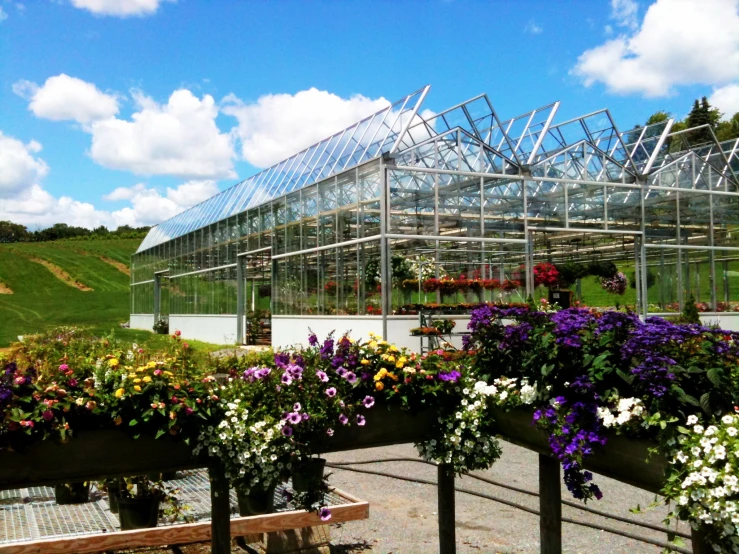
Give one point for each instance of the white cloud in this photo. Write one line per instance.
(533, 28)
(179, 138)
(120, 8)
(680, 42)
(625, 13)
(149, 207)
(36, 208)
(67, 98)
(3, 15)
(19, 168)
(726, 99)
(277, 126)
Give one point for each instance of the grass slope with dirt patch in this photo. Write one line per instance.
(41, 300)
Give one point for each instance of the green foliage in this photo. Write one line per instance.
(14, 232)
(690, 311)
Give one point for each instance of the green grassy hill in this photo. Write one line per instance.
(41, 300)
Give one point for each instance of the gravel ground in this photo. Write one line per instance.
(403, 515)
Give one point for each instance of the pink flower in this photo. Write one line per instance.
(48, 415)
(368, 401)
(330, 432)
(325, 514)
(27, 423)
(188, 410)
(331, 392)
(343, 419)
(360, 420)
(63, 367)
(157, 372)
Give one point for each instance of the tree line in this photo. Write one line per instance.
(15, 232)
(702, 114)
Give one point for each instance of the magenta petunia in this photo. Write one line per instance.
(331, 392)
(368, 401)
(343, 419)
(325, 514)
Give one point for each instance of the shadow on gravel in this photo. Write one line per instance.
(351, 548)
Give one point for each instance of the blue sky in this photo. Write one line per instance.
(127, 111)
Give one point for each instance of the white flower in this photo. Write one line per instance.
(711, 430)
(727, 419)
(528, 394)
(698, 429)
(692, 420)
(731, 431)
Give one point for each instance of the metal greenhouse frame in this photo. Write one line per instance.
(315, 239)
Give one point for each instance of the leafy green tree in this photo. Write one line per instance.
(728, 130)
(13, 232)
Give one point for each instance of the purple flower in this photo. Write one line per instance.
(249, 374)
(351, 377)
(343, 419)
(262, 373)
(286, 379)
(325, 514)
(341, 372)
(361, 420)
(322, 376)
(282, 359)
(48, 415)
(297, 407)
(312, 339)
(330, 432)
(73, 382)
(63, 367)
(287, 431)
(368, 402)
(327, 349)
(305, 416)
(294, 418)
(331, 392)
(295, 371)
(451, 376)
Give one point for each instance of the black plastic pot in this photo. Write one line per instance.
(72, 493)
(138, 513)
(257, 501)
(114, 492)
(308, 474)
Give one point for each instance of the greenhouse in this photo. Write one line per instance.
(411, 212)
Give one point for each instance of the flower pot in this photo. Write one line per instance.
(257, 501)
(169, 476)
(72, 493)
(308, 475)
(138, 513)
(114, 492)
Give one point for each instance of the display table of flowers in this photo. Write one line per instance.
(650, 403)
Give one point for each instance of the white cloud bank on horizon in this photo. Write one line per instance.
(726, 99)
(120, 8)
(679, 42)
(24, 200)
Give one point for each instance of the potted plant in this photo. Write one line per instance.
(72, 493)
(139, 502)
(113, 488)
(444, 326)
(161, 327)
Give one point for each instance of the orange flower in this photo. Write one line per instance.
(379, 385)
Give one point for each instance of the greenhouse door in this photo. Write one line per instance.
(254, 277)
(161, 295)
(600, 269)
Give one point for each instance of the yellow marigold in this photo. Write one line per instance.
(373, 344)
(391, 359)
(382, 342)
(119, 393)
(379, 385)
(137, 380)
(393, 348)
(151, 365)
(146, 379)
(399, 364)
(392, 376)
(365, 362)
(380, 374)
(137, 388)
(113, 362)
(167, 373)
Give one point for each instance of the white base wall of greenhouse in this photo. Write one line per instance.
(728, 321)
(142, 321)
(218, 329)
(293, 330)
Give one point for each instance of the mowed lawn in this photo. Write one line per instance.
(41, 301)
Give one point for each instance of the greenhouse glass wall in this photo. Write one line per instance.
(405, 213)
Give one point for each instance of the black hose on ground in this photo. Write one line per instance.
(612, 530)
(569, 503)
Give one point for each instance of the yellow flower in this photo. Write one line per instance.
(147, 379)
(365, 362)
(382, 342)
(137, 388)
(380, 374)
(392, 376)
(393, 348)
(379, 385)
(373, 344)
(113, 362)
(137, 380)
(391, 359)
(399, 364)
(402, 359)
(119, 393)
(151, 365)
(167, 373)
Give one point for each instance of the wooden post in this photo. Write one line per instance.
(220, 506)
(550, 506)
(445, 491)
(700, 545)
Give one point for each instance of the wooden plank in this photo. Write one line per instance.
(446, 508)
(187, 533)
(550, 506)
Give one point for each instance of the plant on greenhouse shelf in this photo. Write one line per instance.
(424, 268)
(161, 327)
(491, 284)
(425, 332)
(444, 326)
(510, 285)
(330, 287)
(430, 285)
(546, 274)
(616, 284)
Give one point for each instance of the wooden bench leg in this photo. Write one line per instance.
(550, 506)
(445, 486)
(220, 523)
(700, 545)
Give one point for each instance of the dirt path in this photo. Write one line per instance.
(123, 268)
(62, 275)
(5, 289)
